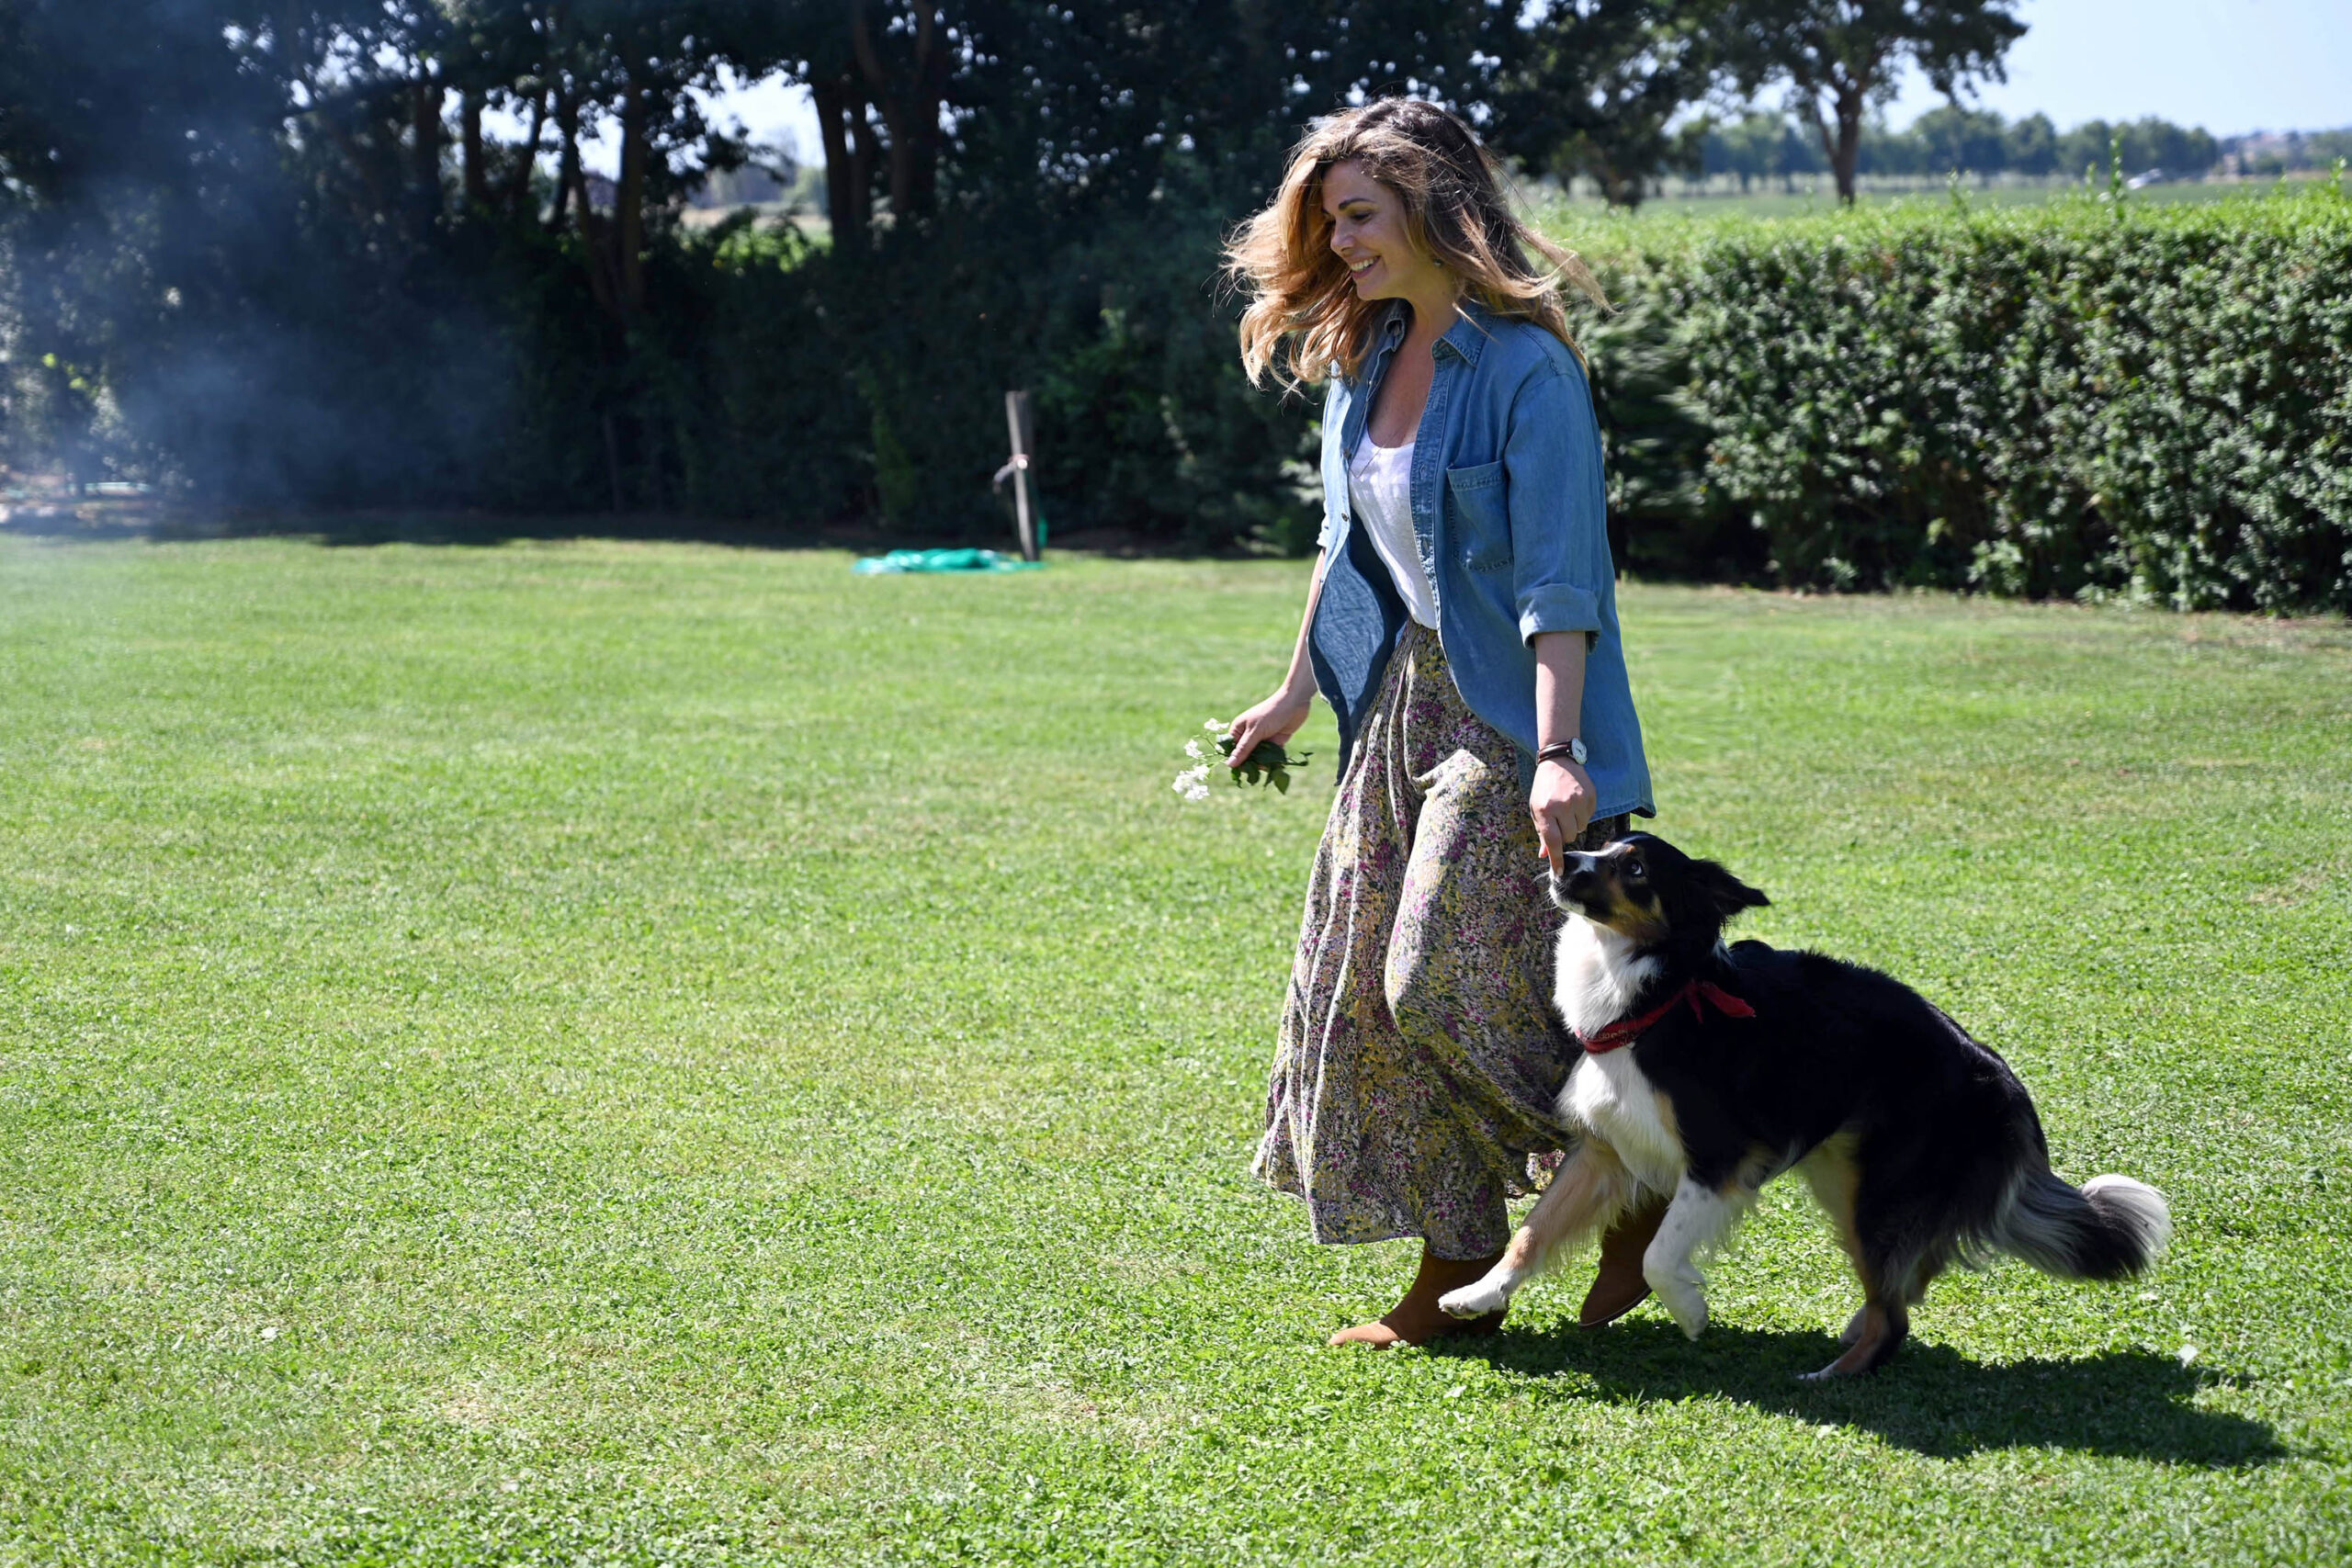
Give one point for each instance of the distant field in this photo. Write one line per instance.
(764, 213)
(650, 1053)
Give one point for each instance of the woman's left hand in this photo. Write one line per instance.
(1561, 802)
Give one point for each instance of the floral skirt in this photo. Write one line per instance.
(1419, 1059)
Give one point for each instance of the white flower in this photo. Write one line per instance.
(1214, 727)
(1193, 749)
(2187, 1354)
(1192, 783)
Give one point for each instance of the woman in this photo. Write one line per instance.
(1462, 625)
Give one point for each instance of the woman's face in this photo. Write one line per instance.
(1368, 234)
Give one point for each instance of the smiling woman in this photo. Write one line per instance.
(1462, 624)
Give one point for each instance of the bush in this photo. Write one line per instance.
(2080, 400)
(787, 382)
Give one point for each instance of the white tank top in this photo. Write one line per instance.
(1379, 492)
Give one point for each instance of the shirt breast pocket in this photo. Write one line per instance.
(1481, 522)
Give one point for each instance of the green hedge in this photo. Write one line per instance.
(2151, 401)
(2083, 399)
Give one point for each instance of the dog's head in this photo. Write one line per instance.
(1642, 887)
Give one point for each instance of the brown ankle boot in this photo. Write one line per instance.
(1417, 1319)
(1620, 1287)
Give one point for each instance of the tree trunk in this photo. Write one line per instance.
(477, 177)
(910, 100)
(1848, 150)
(849, 159)
(518, 181)
(1617, 187)
(424, 105)
(628, 206)
(596, 240)
(567, 167)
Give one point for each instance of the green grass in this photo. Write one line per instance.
(650, 1053)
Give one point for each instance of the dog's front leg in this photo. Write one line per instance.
(1586, 1194)
(1698, 1217)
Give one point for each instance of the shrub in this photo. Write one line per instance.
(2081, 400)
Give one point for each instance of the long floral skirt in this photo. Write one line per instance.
(1419, 1059)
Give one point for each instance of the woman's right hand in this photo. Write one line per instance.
(1276, 719)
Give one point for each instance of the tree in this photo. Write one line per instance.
(882, 74)
(2031, 145)
(1593, 87)
(1954, 139)
(1839, 58)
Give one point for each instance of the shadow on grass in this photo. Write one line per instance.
(362, 528)
(92, 523)
(1930, 1399)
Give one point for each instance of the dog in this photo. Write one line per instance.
(1709, 1070)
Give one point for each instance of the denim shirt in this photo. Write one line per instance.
(1511, 515)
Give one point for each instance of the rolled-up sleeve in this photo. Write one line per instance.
(1559, 509)
(1333, 414)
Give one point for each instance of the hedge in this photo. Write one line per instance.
(2087, 399)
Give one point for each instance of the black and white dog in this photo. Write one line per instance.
(1709, 1070)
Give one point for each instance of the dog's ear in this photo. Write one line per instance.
(1724, 894)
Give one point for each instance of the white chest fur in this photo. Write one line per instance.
(1609, 1098)
(1598, 976)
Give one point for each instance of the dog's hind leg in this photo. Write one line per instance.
(1829, 1171)
(1699, 1217)
(1585, 1195)
(1892, 1279)
(1874, 1334)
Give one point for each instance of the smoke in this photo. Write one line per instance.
(208, 292)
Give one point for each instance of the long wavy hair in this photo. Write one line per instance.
(1304, 321)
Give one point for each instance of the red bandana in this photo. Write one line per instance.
(1626, 1031)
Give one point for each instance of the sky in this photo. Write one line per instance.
(2229, 66)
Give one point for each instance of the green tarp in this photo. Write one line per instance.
(943, 560)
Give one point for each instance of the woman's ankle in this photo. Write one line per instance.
(1416, 1318)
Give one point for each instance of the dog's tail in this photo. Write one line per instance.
(2111, 1228)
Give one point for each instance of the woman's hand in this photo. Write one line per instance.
(1561, 800)
(1276, 719)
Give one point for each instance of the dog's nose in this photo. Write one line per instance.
(1575, 863)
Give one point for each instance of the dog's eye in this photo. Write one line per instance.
(1633, 869)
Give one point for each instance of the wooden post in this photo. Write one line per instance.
(1016, 417)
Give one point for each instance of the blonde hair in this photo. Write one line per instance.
(1303, 320)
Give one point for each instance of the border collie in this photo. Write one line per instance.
(1709, 1070)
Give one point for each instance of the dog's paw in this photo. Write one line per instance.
(1690, 1311)
(1474, 1301)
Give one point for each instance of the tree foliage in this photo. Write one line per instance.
(1840, 58)
(1596, 88)
(1951, 138)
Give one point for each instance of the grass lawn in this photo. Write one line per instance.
(662, 1054)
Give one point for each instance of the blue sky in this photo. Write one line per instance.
(2228, 65)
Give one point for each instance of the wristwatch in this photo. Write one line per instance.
(1571, 749)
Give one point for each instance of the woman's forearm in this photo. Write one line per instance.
(1559, 686)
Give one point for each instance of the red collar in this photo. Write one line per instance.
(1626, 1031)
